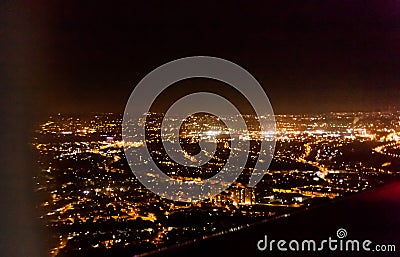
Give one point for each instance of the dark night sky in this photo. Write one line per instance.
(310, 56)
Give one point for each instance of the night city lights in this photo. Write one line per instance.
(92, 202)
(263, 128)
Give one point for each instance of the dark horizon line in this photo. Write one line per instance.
(394, 110)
